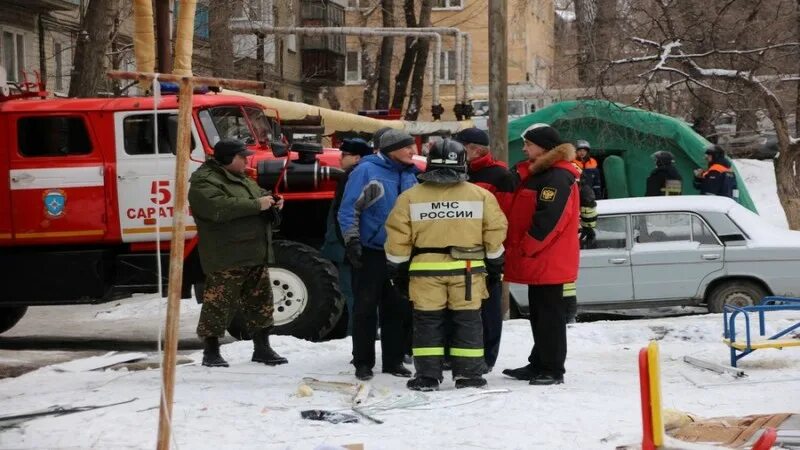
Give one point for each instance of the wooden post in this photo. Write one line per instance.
(498, 92)
(175, 262)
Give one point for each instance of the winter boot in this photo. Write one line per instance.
(462, 383)
(211, 356)
(524, 373)
(262, 352)
(546, 380)
(424, 384)
(398, 370)
(363, 373)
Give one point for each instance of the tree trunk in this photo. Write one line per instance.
(221, 39)
(90, 52)
(788, 159)
(385, 60)
(403, 75)
(371, 75)
(420, 65)
(585, 17)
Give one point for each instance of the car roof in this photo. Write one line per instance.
(697, 203)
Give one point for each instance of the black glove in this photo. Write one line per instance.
(353, 253)
(587, 237)
(273, 214)
(398, 277)
(494, 270)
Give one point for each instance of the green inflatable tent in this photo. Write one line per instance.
(623, 139)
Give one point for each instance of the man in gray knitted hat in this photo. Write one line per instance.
(371, 192)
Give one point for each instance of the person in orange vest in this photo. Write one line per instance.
(718, 179)
(588, 166)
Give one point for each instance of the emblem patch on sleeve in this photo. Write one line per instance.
(548, 194)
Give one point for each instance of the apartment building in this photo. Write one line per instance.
(531, 51)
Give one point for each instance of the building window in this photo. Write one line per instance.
(246, 45)
(13, 55)
(200, 19)
(448, 4)
(447, 66)
(359, 4)
(52, 136)
(354, 68)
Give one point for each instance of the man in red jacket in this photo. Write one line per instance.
(543, 249)
(494, 176)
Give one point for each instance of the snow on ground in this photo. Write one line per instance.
(255, 406)
(759, 176)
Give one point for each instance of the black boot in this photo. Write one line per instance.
(470, 382)
(524, 373)
(425, 384)
(262, 352)
(546, 380)
(363, 373)
(398, 370)
(211, 356)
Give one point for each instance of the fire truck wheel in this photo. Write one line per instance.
(9, 317)
(305, 291)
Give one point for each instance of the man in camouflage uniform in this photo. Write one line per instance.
(234, 216)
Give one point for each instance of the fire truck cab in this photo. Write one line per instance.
(86, 194)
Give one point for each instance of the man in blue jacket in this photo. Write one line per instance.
(371, 192)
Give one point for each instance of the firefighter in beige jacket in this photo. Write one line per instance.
(446, 236)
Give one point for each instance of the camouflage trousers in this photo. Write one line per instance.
(227, 291)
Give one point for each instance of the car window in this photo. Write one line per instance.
(139, 134)
(53, 136)
(611, 232)
(667, 227)
(701, 233)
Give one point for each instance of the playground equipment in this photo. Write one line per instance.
(652, 412)
(741, 348)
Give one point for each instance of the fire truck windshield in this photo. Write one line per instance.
(227, 122)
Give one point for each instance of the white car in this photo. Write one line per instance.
(682, 250)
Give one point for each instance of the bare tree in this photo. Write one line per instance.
(93, 42)
(700, 46)
(420, 64)
(221, 39)
(403, 75)
(385, 58)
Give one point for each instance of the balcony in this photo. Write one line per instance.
(322, 55)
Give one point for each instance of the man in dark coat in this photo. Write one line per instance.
(229, 209)
(664, 179)
(352, 150)
(718, 179)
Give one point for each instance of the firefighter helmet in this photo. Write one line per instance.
(582, 144)
(447, 154)
(663, 158)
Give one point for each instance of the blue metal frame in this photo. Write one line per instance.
(771, 303)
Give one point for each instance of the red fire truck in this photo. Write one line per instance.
(86, 195)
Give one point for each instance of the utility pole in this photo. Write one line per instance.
(498, 90)
(163, 36)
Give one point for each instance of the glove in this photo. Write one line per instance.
(587, 237)
(494, 270)
(353, 253)
(398, 277)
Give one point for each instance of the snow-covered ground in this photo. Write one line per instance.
(255, 406)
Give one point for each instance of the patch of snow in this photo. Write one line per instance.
(759, 177)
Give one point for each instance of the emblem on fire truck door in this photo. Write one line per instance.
(55, 202)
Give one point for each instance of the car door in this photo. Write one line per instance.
(56, 180)
(146, 180)
(671, 255)
(605, 271)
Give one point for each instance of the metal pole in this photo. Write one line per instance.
(467, 67)
(459, 72)
(498, 91)
(252, 27)
(163, 36)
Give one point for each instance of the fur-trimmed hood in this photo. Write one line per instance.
(564, 152)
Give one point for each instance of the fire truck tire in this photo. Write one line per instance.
(9, 316)
(300, 272)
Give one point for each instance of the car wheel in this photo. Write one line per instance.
(9, 316)
(736, 293)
